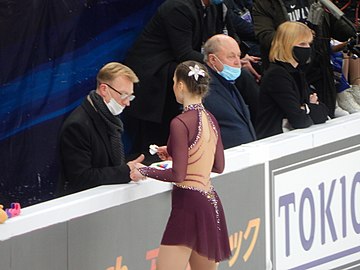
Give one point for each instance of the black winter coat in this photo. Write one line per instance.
(85, 153)
(283, 91)
(175, 34)
(269, 14)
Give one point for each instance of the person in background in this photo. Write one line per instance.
(269, 14)
(286, 101)
(91, 149)
(346, 93)
(243, 24)
(176, 33)
(196, 231)
(354, 70)
(224, 100)
(351, 66)
(245, 4)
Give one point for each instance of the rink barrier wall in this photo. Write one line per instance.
(291, 201)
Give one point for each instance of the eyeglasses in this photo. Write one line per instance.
(122, 95)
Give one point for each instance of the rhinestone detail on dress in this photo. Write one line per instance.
(200, 108)
(210, 195)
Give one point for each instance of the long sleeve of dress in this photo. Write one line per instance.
(178, 149)
(183, 132)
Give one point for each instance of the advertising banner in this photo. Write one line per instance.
(316, 211)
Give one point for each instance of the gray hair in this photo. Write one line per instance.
(211, 46)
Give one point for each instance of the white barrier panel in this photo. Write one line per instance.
(292, 199)
(317, 211)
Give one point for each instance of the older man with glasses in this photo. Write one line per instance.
(91, 148)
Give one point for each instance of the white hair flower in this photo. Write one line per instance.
(196, 71)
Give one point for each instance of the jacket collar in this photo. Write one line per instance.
(98, 124)
(229, 86)
(289, 67)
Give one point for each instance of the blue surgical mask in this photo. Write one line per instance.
(229, 73)
(216, 2)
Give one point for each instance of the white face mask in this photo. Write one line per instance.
(114, 107)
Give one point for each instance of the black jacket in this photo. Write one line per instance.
(269, 14)
(234, 120)
(85, 154)
(175, 34)
(283, 90)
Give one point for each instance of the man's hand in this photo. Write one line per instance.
(132, 163)
(246, 63)
(135, 174)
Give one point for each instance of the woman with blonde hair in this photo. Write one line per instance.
(286, 101)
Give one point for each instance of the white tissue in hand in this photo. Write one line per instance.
(153, 148)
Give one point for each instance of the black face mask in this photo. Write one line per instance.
(302, 54)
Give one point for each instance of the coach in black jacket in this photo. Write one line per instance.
(91, 150)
